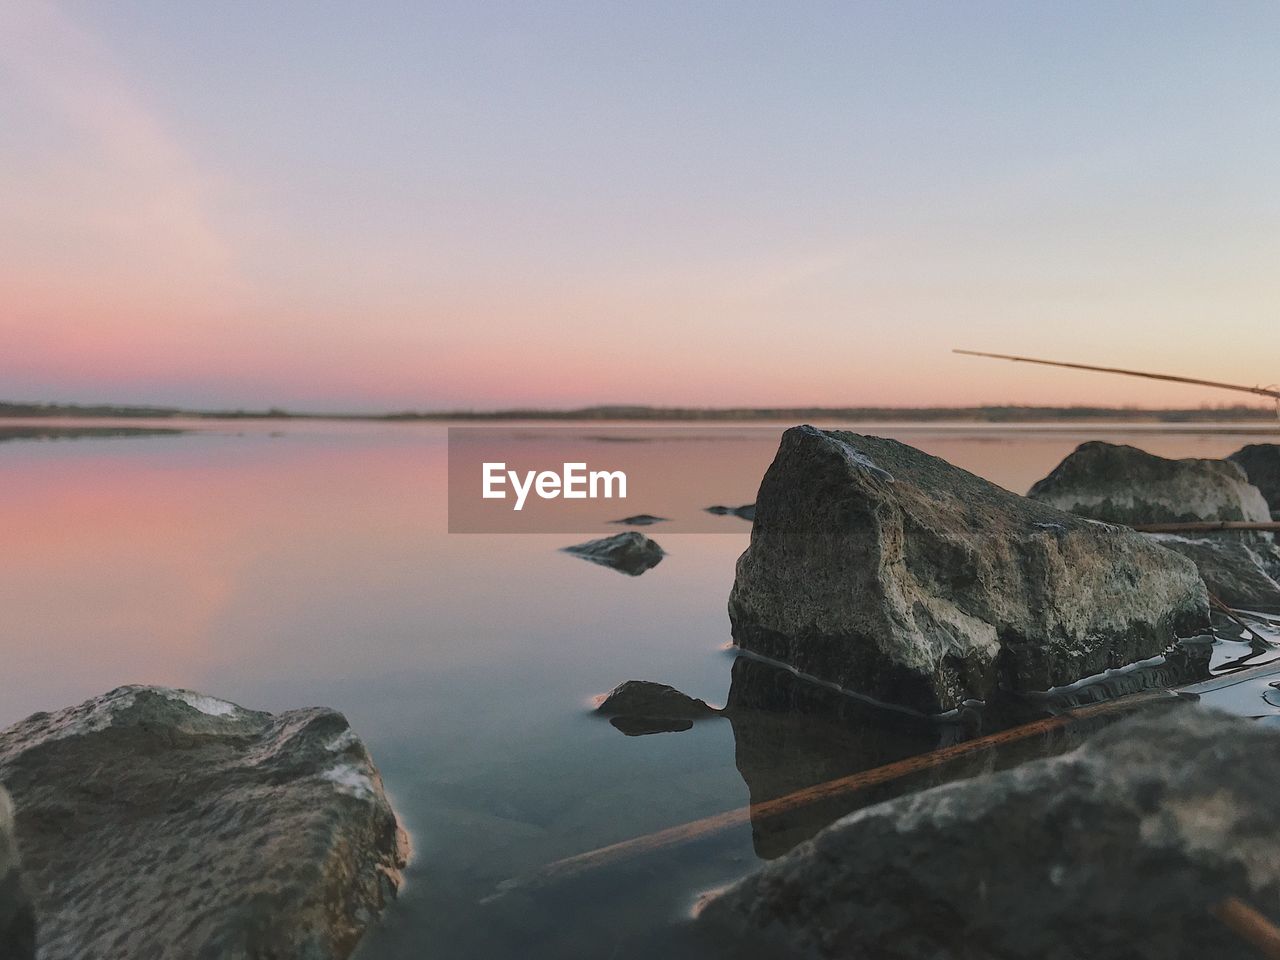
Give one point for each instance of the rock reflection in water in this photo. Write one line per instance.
(791, 735)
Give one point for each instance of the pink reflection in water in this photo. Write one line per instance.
(323, 552)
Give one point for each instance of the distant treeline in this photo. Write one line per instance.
(987, 414)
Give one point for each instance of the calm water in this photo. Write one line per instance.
(287, 565)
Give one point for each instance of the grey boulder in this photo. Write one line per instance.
(1119, 850)
(631, 553)
(1236, 571)
(17, 919)
(1261, 463)
(165, 823)
(1122, 484)
(890, 573)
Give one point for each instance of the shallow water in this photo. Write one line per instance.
(287, 564)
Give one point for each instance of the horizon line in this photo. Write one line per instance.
(630, 411)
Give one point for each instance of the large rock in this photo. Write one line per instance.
(164, 823)
(1121, 484)
(1236, 571)
(17, 919)
(1118, 850)
(889, 572)
(1261, 463)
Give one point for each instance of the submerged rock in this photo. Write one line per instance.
(640, 520)
(630, 553)
(1261, 463)
(1234, 570)
(1122, 484)
(1118, 850)
(746, 512)
(17, 920)
(164, 823)
(638, 707)
(889, 572)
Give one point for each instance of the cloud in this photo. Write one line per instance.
(97, 191)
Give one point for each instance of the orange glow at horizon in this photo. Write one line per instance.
(162, 242)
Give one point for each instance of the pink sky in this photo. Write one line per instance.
(181, 227)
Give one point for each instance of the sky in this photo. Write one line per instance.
(404, 205)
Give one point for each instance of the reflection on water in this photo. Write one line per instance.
(281, 565)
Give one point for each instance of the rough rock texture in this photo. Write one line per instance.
(894, 574)
(631, 553)
(1120, 484)
(17, 920)
(1118, 849)
(1261, 463)
(1234, 570)
(164, 823)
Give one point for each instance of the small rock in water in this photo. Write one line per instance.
(164, 823)
(1119, 850)
(1122, 484)
(648, 699)
(1261, 463)
(640, 520)
(630, 553)
(638, 707)
(747, 511)
(1234, 570)
(17, 920)
(919, 584)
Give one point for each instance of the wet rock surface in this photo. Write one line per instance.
(164, 823)
(891, 573)
(1119, 849)
(639, 707)
(1261, 463)
(1122, 484)
(1236, 571)
(17, 919)
(631, 553)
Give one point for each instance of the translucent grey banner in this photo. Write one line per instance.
(592, 478)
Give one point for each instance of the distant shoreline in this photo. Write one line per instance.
(978, 414)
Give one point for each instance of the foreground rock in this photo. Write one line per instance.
(1119, 849)
(1235, 571)
(894, 574)
(631, 553)
(638, 707)
(1261, 463)
(163, 823)
(1121, 484)
(17, 920)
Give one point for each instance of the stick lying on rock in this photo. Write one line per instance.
(1169, 377)
(1114, 851)
(1210, 526)
(687, 832)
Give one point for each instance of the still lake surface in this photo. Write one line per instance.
(287, 564)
